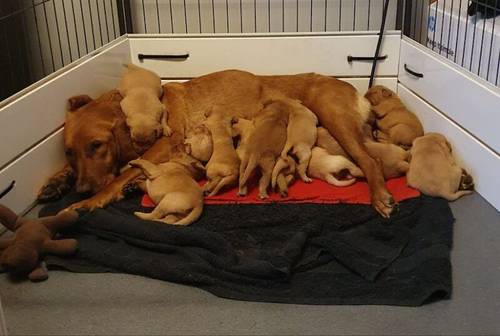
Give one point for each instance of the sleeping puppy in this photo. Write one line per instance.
(330, 167)
(283, 174)
(173, 188)
(222, 168)
(199, 143)
(242, 129)
(265, 144)
(145, 113)
(433, 169)
(395, 123)
(301, 136)
(393, 158)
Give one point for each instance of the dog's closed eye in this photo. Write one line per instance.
(95, 145)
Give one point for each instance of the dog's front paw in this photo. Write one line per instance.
(384, 203)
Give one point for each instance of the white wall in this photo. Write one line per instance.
(250, 16)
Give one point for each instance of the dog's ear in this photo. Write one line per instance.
(75, 102)
(386, 93)
(123, 141)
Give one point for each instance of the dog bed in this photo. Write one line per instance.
(307, 253)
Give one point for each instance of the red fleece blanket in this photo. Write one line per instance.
(316, 192)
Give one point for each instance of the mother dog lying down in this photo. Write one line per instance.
(337, 104)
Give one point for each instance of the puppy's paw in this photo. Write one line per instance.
(263, 195)
(167, 131)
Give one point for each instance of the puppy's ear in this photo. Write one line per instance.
(75, 102)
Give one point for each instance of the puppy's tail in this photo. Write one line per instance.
(249, 165)
(192, 216)
(339, 183)
(278, 167)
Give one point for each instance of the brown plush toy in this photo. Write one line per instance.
(21, 253)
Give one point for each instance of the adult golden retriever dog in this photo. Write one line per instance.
(337, 104)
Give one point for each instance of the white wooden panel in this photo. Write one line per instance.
(326, 54)
(34, 115)
(463, 97)
(31, 171)
(481, 162)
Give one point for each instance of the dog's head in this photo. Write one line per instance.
(378, 93)
(97, 140)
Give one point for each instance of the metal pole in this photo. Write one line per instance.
(379, 42)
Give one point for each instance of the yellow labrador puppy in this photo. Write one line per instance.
(301, 136)
(242, 129)
(223, 166)
(283, 174)
(395, 123)
(173, 188)
(433, 169)
(265, 144)
(199, 143)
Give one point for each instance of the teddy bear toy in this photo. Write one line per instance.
(21, 254)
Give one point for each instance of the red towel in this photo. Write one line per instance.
(316, 192)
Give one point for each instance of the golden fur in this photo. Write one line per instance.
(223, 166)
(265, 144)
(301, 135)
(283, 174)
(199, 143)
(395, 123)
(433, 169)
(173, 188)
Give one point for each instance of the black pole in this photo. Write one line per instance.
(379, 43)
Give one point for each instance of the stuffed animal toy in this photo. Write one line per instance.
(21, 254)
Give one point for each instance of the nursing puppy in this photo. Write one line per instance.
(242, 129)
(173, 188)
(433, 169)
(265, 144)
(145, 114)
(199, 143)
(393, 158)
(330, 167)
(395, 123)
(222, 168)
(283, 174)
(301, 136)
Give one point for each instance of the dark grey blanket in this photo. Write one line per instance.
(290, 253)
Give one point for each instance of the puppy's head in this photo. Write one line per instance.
(378, 93)
(96, 140)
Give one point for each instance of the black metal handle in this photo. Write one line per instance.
(351, 59)
(8, 189)
(167, 57)
(411, 72)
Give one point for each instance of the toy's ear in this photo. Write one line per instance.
(75, 102)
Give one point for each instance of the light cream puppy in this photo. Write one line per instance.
(301, 136)
(173, 188)
(283, 174)
(394, 159)
(223, 166)
(433, 169)
(265, 144)
(328, 167)
(199, 143)
(145, 114)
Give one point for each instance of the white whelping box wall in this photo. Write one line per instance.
(39, 152)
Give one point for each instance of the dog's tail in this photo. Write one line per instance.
(192, 216)
(248, 166)
(278, 167)
(339, 183)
